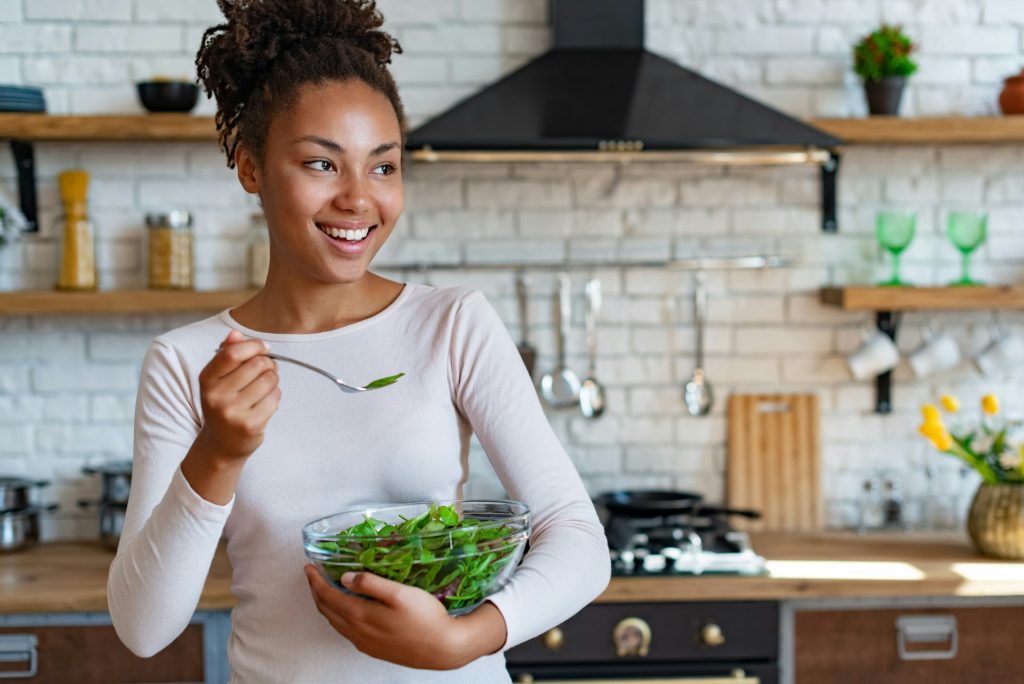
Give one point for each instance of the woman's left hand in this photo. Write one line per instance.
(404, 625)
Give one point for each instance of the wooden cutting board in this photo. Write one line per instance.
(774, 461)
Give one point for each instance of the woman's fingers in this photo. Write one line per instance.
(366, 583)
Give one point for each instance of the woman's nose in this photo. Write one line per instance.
(352, 193)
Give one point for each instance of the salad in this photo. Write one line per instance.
(460, 561)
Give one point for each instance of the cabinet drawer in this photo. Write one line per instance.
(92, 654)
(863, 646)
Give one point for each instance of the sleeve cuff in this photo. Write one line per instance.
(198, 507)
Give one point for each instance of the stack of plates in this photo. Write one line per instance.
(21, 99)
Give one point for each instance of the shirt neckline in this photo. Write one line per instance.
(227, 319)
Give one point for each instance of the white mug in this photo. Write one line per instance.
(1002, 354)
(938, 352)
(877, 355)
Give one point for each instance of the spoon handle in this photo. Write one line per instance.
(700, 305)
(288, 359)
(593, 290)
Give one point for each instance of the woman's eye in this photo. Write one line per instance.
(385, 169)
(320, 165)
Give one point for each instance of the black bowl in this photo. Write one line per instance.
(168, 96)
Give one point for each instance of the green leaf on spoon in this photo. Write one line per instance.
(384, 382)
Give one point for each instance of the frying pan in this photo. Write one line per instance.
(646, 503)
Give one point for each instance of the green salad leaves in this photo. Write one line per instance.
(384, 382)
(457, 560)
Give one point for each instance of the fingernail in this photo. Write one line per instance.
(265, 345)
(347, 578)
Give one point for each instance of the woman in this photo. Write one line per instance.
(311, 119)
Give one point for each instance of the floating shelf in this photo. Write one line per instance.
(52, 302)
(875, 130)
(924, 298)
(889, 302)
(894, 130)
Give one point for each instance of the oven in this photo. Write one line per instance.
(730, 642)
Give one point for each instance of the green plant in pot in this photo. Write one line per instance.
(994, 446)
(882, 60)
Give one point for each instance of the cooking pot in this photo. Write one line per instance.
(14, 492)
(20, 529)
(117, 480)
(111, 521)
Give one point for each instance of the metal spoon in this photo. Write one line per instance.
(526, 350)
(560, 388)
(592, 391)
(697, 394)
(342, 385)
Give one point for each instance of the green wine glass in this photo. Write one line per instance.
(895, 230)
(966, 230)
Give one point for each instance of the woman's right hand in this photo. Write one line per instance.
(239, 392)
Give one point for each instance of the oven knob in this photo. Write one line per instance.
(632, 637)
(554, 639)
(711, 634)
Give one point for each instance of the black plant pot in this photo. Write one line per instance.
(884, 96)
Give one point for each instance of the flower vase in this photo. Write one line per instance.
(995, 521)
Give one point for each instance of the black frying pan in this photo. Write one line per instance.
(647, 503)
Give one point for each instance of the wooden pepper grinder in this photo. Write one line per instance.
(78, 259)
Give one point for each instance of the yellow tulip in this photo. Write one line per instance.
(931, 413)
(932, 430)
(950, 403)
(990, 404)
(943, 442)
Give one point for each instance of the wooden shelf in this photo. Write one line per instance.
(875, 130)
(130, 127)
(924, 298)
(52, 302)
(882, 130)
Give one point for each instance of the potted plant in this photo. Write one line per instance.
(994, 446)
(882, 60)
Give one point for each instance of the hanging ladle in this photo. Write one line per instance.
(697, 393)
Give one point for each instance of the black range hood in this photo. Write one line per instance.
(598, 95)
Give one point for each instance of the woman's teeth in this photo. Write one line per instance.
(342, 234)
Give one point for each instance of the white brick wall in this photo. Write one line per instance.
(67, 384)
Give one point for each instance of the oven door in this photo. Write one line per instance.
(761, 673)
(740, 679)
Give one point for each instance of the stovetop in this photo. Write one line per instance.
(699, 542)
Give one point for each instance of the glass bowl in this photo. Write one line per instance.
(460, 551)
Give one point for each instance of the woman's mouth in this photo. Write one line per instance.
(348, 235)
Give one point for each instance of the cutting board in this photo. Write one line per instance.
(774, 461)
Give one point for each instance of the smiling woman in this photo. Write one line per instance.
(232, 445)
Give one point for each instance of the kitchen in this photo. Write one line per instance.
(68, 379)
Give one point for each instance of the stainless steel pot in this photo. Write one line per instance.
(117, 480)
(15, 492)
(111, 517)
(20, 529)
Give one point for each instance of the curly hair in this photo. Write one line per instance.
(255, 63)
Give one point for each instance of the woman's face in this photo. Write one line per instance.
(330, 182)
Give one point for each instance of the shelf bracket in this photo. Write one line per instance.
(829, 222)
(25, 163)
(888, 322)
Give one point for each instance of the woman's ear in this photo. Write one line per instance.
(248, 170)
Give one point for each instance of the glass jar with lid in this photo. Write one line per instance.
(170, 250)
(259, 250)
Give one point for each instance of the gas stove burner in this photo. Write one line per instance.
(679, 535)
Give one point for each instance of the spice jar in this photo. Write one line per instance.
(78, 249)
(170, 250)
(259, 250)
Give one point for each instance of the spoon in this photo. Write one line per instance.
(697, 394)
(526, 350)
(342, 385)
(592, 391)
(560, 388)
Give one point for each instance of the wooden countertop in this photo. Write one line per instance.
(842, 564)
(71, 577)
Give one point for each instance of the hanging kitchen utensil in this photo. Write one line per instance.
(526, 350)
(774, 463)
(560, 388)
(697, 394)
(592, 391)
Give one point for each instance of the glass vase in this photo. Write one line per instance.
(995, 521)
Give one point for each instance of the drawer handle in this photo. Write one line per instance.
(926, 629)
(19, 648)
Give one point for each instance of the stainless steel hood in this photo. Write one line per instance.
(598, 95)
